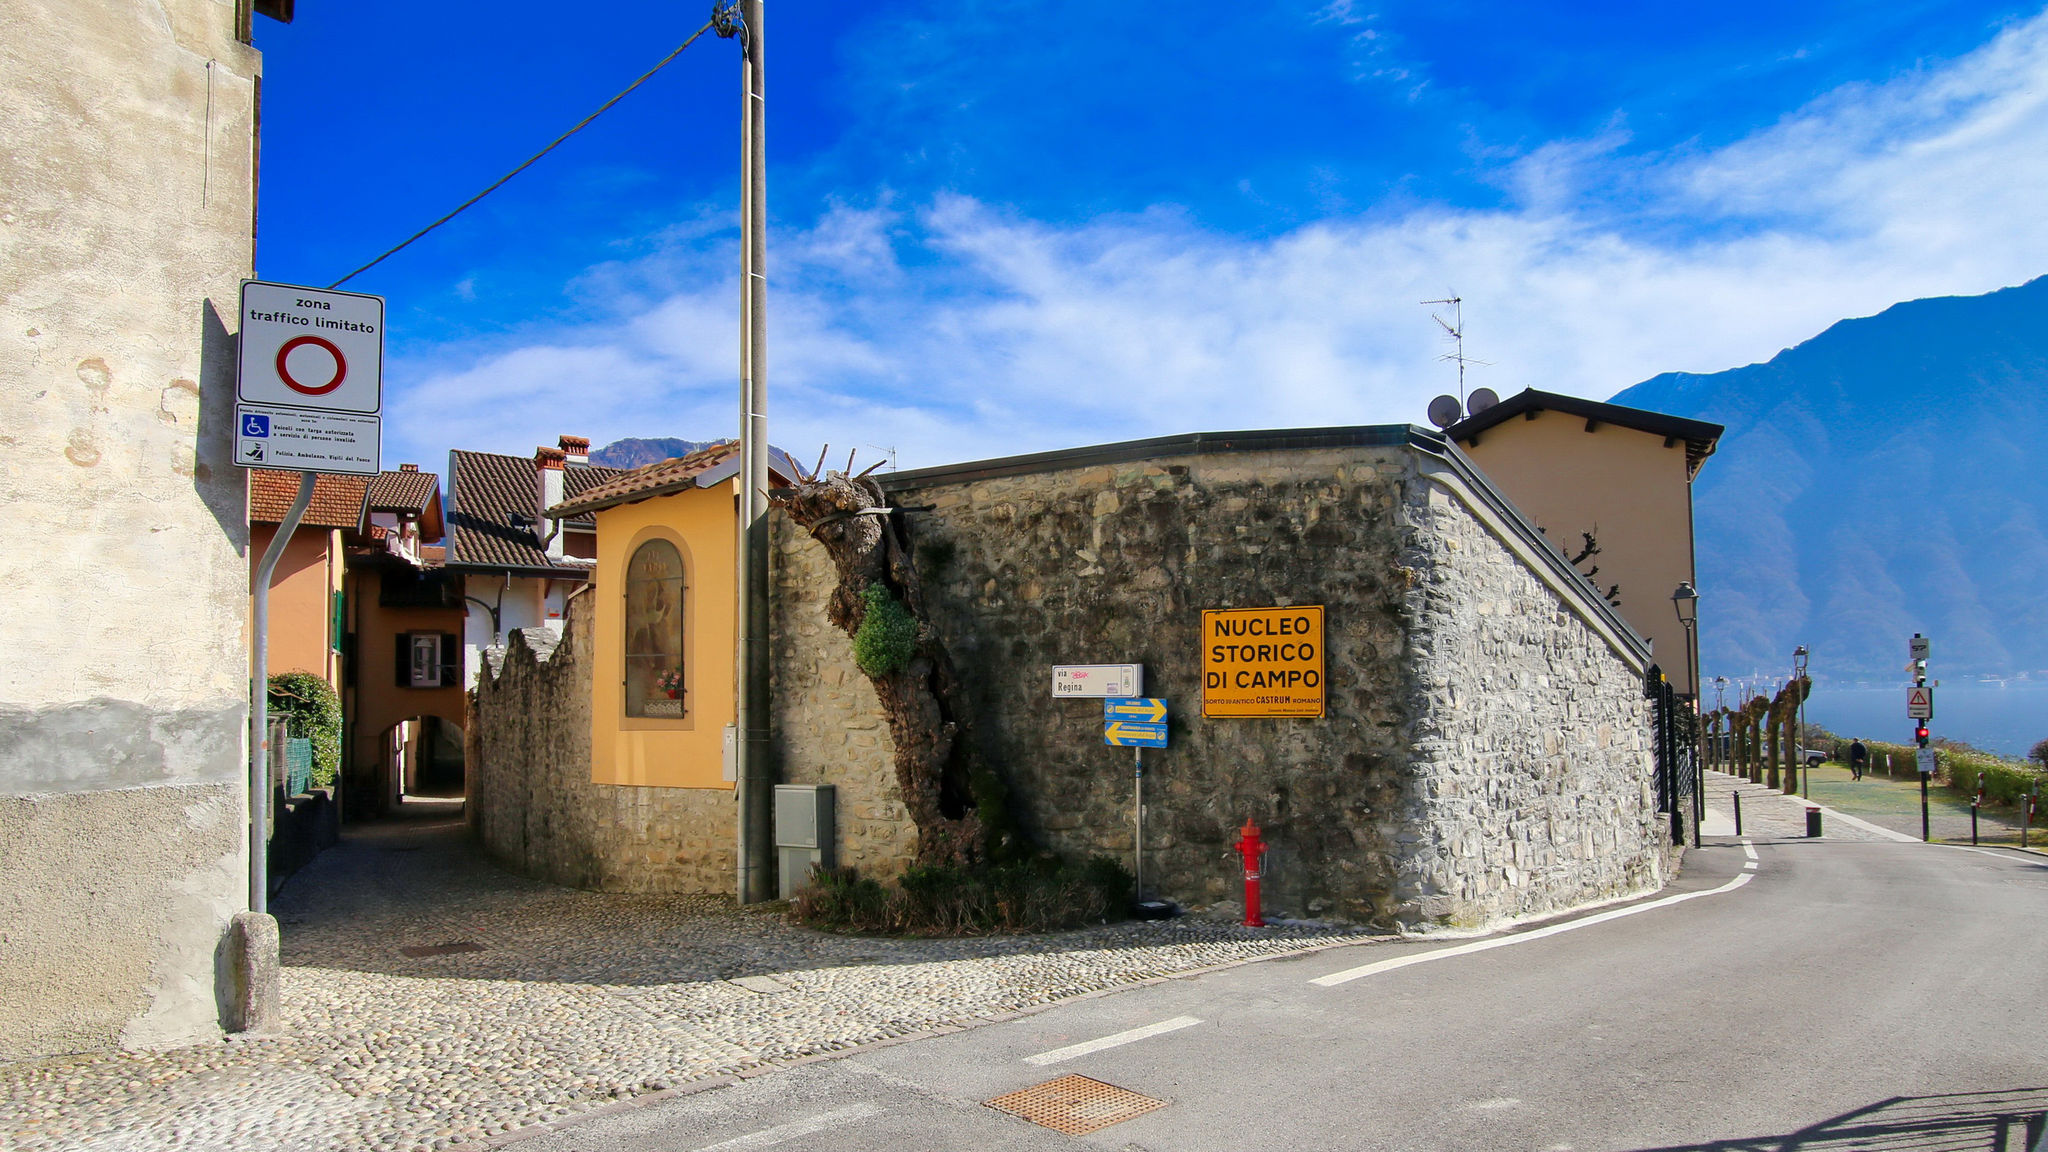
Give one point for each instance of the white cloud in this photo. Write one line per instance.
(956, 330)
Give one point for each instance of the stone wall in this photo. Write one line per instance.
(826, 726)
(127, 210)
(1531, 748)
(1484, 750)
(531, 802)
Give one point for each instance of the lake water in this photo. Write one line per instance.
(2007, 717)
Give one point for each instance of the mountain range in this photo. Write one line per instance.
(1883, 478)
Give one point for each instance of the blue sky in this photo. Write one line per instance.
(1006, 227)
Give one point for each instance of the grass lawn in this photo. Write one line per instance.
(1895, 803)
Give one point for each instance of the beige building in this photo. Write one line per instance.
(1622, 475)
(127, 212)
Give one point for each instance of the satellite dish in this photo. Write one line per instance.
(1480, 400)
(1443, 411)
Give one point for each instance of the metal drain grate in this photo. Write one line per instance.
(1075, 1105)
(442, 949)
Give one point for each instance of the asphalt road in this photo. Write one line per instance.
(1839, 995)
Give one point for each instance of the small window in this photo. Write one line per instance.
(428, 660)
(655, 684)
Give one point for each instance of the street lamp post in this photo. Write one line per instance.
(1720, 710)
(1799, 720)
(1686, 602)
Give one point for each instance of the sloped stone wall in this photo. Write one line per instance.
(1531, 745)
(531, 802)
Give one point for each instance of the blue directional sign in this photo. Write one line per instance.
(1134, 734)
(1134, 722)
(1149, 709)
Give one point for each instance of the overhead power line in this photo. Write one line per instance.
(500, 182)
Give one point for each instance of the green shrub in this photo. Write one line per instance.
(887, 636)
(311, 711)
(1037, 895)
(2004, 781)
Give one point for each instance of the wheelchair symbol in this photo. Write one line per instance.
(254, 426)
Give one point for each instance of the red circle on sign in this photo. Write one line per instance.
(297, 342)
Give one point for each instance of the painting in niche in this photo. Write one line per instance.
(654, 632)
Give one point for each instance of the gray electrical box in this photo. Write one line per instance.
(804, 834)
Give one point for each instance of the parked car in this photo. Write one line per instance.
(1815, 757)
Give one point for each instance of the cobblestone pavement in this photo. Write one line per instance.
(550, 1002)
(1768, 814)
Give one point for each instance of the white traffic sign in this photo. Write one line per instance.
(1084, 680)
(1926, 758)
(296, 440)
(1918, 647)
(311, 348)
(1920, 703)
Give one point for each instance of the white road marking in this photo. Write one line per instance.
(768, 1137)
(1749, 849)
(2006, 855)
(1058, 1055)
(1749, 865)
(1374, 969)
(1866, 825)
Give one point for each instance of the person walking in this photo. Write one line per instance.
(1859, 759)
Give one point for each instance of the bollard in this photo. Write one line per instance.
(1975, 802)
(1738, 813)
(1813, 822)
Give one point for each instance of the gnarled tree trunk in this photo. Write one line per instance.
(956, 801)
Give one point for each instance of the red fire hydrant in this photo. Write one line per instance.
(1253, 850)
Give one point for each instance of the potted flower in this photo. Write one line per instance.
(671, 682)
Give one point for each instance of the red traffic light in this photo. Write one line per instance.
(1920, 734)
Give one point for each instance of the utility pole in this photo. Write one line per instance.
(756, 881)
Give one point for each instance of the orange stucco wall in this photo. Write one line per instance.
(1623, 486)
(301, 599)
(375, 701)
(685, 753)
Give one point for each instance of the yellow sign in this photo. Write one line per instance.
(1262, 661)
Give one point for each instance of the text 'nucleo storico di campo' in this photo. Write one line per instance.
(1263, 661)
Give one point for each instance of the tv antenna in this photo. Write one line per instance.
(1454, 329)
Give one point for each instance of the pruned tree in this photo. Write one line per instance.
(958, 802)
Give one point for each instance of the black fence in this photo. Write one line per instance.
(1678, 748)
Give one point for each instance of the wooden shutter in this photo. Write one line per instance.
(404, 647)
(451, 660)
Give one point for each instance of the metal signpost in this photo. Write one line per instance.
(1136, 723)
(1920, 707)
(309, 391)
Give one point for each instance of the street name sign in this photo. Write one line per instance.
(1262, 661)
(309, 379)
(1920, 703)
(1096, 680)
(1926, 758)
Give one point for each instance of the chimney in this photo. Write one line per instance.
(547, 489)
(576, 448)
(408, 467)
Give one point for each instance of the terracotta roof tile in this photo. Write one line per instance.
(656, 479)
(403, 491)
(337, 500)
(490, 522)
